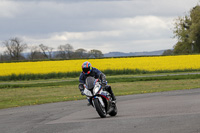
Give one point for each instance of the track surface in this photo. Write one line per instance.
(166, 112)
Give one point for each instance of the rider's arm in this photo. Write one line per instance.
(81, 87)
(82, 79)
(97, 73)
(100, 75)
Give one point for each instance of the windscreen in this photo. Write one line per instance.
(90, 82)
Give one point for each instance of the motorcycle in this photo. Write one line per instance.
(101, 100)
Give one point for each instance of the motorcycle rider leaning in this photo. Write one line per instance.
(88, 70)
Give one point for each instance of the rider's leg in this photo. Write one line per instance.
(108, 88)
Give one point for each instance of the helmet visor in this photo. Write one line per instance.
(85, 70)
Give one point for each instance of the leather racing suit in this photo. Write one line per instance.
(97, 74)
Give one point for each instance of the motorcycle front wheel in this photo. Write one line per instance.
(99, 108)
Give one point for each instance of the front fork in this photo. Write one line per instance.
(100, 100)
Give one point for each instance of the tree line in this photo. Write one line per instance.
(15, 50)
(187, 31)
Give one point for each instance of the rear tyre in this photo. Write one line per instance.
(99, 108)
(114, 112)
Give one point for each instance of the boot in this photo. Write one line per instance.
(88, 104)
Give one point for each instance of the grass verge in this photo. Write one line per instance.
(15, 97)
(115, 79)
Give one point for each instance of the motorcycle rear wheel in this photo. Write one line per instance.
(114, 112)
(99, 108)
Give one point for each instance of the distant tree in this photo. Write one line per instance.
(168, 52)
(81, 53)
(35, 53)
(14, 48)
(187, 31)
(4, 57)
(95, 53)
(65, 51)
(46, 51)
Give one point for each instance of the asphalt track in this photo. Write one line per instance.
(165, 112)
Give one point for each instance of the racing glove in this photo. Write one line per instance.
(82, 93)
(81, 88)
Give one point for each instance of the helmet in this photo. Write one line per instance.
(86, 67)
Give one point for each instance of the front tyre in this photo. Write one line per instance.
(99, 108)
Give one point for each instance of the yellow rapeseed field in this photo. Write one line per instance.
(161, 63)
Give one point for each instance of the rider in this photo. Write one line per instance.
(88, 70)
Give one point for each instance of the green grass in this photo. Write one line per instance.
(110, 79)
(140, 87)
(21, 93)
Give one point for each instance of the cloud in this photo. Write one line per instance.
(8, 9)
(42, 17)
(104, 24)
(138, 32)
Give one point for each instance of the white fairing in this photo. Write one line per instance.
(101, 101)
(87, 92)
(96, 89)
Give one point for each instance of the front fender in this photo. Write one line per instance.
(100, 100)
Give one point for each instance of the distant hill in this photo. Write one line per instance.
(118, 54)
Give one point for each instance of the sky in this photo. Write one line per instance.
(106, 25)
